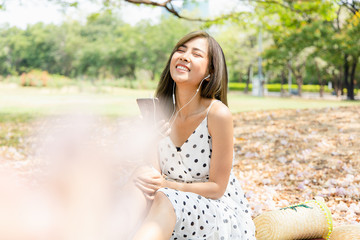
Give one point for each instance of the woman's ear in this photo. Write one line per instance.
(207, 78)
(210, 72)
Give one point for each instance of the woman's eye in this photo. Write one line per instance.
(197, 55)
(180, 50)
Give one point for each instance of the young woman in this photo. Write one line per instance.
(193, 192)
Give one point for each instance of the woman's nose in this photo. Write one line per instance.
(185, 57)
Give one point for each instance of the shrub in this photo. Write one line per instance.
(34, 78)
(276, 87)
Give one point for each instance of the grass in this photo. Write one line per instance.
(26, 103)
(19, 106)
(45, 101)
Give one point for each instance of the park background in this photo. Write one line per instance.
(293, 83)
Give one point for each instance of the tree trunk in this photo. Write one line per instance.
(346, 74)
(153, 72)
(351, 86)
(283, 79)
(338, 85)
(298, 77)
(132, 75)
(320, 79)
(321, 89)
(299, 81)
(335, 81)
(152, 75)
(246, 90)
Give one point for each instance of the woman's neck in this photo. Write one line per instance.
(189, 101)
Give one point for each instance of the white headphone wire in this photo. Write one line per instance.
(177, 112)
(192, 98)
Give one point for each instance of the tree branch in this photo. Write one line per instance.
(168, 5)
(170, 8)
(338, 19)
(272, 2)
(147, 2)
(351, 7)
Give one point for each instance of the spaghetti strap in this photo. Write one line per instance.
(211, 106)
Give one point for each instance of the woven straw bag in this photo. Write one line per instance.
(308, 220)
(346, 232)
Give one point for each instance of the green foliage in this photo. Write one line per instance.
(104, 47)
(311, 40)
(74, 4)
(235, 86)
(239, 46)
(302, 37)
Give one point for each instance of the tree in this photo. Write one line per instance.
(349, 33)
(239, 46)
(103, 47)
(12, 44)
(329, 28)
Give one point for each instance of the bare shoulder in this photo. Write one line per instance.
(219, 114)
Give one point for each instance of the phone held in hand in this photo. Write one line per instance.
(150, 109)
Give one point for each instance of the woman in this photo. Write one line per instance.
(194, 193)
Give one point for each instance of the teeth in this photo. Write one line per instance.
(182, 68)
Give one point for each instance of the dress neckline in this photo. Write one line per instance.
(187, 139)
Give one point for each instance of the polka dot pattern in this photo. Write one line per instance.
(196, 216)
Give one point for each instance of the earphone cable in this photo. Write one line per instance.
(177, 112)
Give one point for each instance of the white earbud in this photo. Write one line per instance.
(202, 82)
(174, 101)
(173, 93)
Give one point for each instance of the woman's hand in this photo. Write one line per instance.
(149, 180)
(153, 133)
(163, 128)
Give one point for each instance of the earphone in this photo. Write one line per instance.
(173, 94)
(174, 101)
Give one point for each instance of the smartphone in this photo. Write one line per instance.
(150, 109)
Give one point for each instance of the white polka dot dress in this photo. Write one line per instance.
(196, 216)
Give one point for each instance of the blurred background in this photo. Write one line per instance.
(100, 55)
(294, 79)
(273, 48)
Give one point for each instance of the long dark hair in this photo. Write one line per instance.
(217, 85)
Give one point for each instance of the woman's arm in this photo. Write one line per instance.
(220, 124)
(148, 177)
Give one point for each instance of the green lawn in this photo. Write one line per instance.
(27, 103)
(44, 101)
(19, 106)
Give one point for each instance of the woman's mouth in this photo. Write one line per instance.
(182, 67)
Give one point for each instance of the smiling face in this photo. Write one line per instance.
(189, 63)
